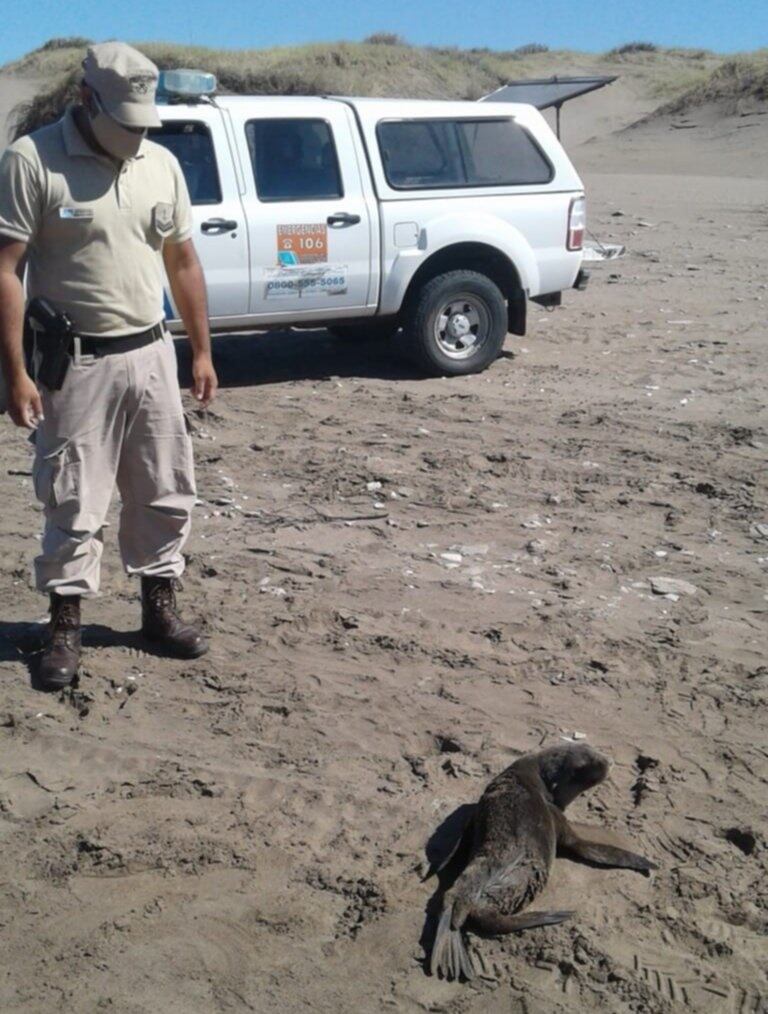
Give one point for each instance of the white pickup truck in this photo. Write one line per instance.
(370, 215)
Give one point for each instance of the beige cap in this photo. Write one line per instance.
(125, 81)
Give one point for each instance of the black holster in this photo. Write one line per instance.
(54, 361)
(50, 333)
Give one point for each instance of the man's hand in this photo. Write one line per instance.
(25, 406)
(188, 287)
(206, 382)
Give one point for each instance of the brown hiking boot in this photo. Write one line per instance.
(60, 658)
(162, 624)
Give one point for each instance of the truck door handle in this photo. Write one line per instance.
(219, 225)
(343, 218)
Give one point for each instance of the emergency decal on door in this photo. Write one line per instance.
(301, 280)
(302, 243)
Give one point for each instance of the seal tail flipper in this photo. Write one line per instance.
(493, 923)
(450, 957)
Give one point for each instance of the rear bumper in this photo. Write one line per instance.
(553, 299)
(582, 280)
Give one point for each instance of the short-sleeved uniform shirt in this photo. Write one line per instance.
(94, 230)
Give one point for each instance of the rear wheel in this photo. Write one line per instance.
(365, 331)
(457, 323)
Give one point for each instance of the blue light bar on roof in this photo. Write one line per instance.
(187, 83)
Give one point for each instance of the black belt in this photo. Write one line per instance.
(114, 346)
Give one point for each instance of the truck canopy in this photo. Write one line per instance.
(371, 113)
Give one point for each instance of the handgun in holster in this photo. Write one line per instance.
(51, 332)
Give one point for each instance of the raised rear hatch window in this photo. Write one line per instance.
(436, 154)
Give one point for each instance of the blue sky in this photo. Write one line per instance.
(500, 24)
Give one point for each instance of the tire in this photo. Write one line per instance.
(365, 331)
(444, 316)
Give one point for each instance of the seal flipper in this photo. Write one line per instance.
(493, 923)
(450, 956)
(461, 845)
(574, 840)
(610, 855)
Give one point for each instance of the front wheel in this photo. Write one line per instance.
(457, 323)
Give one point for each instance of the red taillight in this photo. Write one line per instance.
(577, 221)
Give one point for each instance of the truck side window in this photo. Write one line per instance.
(192, 145)
(501, 152)
(421, 154)
(430, 154)
(293, 160)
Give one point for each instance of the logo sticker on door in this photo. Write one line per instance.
(302, 244)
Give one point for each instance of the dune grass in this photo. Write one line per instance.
(346, 68)
(384, 65)
(737, 82)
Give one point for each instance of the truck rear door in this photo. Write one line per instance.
(197, 136)
(311, 216)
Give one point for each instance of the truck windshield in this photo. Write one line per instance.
(434, 154)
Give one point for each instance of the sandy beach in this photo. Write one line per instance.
(248, 832)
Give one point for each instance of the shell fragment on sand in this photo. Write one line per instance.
(451, 559)
(479, 550)
(672, 586)
(573, 737)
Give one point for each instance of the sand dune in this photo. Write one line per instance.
(702, 142)
(601, 113)
(12, 91)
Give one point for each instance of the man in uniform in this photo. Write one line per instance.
(95, 210)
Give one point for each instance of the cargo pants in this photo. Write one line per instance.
(117, 419)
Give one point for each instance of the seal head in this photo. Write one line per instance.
(569, 770)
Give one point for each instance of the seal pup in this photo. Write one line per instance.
(511, 841)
